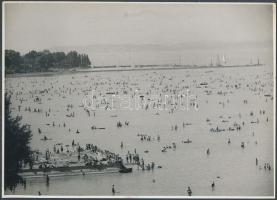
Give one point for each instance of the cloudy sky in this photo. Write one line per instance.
(46, 25)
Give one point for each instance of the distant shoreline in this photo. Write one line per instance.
(74, 71)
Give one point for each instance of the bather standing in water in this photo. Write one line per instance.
(113, 190)
(47, 180)
(208, 151)
(189, 191)
(213, 185)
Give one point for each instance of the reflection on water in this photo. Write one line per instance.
(232, 168)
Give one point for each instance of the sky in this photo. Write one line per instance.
(46, 25)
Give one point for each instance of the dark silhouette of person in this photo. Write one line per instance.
(213, 185)
(189, 191)
(113, 190)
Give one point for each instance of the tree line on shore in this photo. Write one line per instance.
(43, 61)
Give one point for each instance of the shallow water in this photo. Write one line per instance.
(189, 164)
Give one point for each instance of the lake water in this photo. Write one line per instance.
(231, 167)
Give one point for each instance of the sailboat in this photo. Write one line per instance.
(211, 62)
(218, 61)
(224, 59)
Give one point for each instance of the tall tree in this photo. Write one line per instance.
(16, 143)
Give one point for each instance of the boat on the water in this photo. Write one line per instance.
(54, 173)
(74, 170)
(187, 141)
(125, 170)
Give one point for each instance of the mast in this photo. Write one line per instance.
(130, 57)
(224, 59)
(218, 60)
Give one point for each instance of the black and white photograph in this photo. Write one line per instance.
(138, 99)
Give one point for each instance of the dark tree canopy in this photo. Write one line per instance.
(12, 59)
(16, 143)
(42, 61)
